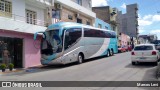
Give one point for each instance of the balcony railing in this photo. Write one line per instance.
(23, 19)
(41, 2)
(5, 14)
(136, 8)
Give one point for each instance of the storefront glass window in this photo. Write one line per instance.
(11, 51)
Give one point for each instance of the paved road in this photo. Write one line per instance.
(115, 68)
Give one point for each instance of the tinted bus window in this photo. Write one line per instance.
(71, 36)
(98, 33)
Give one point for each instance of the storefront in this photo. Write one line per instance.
(14, 46)
(20, 49)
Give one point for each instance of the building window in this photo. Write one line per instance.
(88, 23)
(70, 17)
(106, 27)
(31, 17)
(5, 8)
(114, 28)
(56, 14)
(79, 20)
(79, 2)
(99, 25)
(89, 4)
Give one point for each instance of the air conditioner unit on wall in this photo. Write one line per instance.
(77, 15)
(114, 11)
(58, 6)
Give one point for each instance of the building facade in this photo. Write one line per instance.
(74, 11)
(19, 20)
(124, 40)
(128, 22)
(102, 13)
(108, 15)
(101, 24)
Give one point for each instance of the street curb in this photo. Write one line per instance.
(19, 71)
(15, 71)
(158, 72)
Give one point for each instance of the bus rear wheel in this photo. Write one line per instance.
(80, 59)
(111, 52)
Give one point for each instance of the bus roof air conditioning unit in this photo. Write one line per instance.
(58, 6)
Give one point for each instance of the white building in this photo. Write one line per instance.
(147, 38)
(128, 22)
(79, 11)
(19, 20)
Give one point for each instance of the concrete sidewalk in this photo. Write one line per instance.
(7, 71)
(20, 70)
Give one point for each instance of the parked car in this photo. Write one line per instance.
(157, 47)
(126, 48)
(145, 53)
(129, 48)
(121, 49)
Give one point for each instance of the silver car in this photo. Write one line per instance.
(145, 53)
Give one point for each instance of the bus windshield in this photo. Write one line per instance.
(51, 42)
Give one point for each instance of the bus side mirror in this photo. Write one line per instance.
(35, 35)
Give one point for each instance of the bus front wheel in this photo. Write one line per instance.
(80, 59)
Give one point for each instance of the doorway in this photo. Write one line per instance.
(15, 48)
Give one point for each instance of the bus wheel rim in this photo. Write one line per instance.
(111, 53)
(80, 58)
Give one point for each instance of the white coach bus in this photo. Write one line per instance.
(67, 42)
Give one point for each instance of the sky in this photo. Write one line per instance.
(148, 13)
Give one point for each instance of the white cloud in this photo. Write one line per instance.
(156, 18)
(142, 22)
(96, 3)
(147, 17)
(123, 6)
(141, 31)
(152, 18)
(149, 20)
(155, 31)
